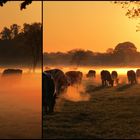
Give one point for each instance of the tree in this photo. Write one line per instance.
(15, 29)
(22, 6)
(6, 34)
(110, 50)
(133, 9)
(78, 56)
(33, 38)
(21, 46)
(125, 52)
(126, 47)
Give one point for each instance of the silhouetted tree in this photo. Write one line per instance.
(5, 34)
(110, 50)
(78, 56)
(15, 29)
(21, 46)
(22, 6)
(33, 39)
(126, 47)
(132, 7)
(125, 52)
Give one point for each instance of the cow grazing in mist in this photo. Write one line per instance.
(131, 75)
(114, 76)
(48, 95)
(74, 77)
(11, 76)
(7, 72)
(60, 80)
(91, 74)
(138, 73)
(106, 78)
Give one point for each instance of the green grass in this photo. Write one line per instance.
(110, 113)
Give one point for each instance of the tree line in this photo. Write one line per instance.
(21, 46)
(123, 54)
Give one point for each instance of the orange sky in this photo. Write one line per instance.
(88, 25)
(10, 13)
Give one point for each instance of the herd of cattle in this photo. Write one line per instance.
(56, 82)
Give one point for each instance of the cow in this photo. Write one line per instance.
(106, 78)
(11, 76)
(60, 80)
(91, 73)
(74, 77)
(131, 75)
(8, 72)
(48, 93)
(114, 76)
(138, 73)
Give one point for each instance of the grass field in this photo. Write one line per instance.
(112, 112)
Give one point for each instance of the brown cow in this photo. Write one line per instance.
(74, 77)
(60, 80)
(106, 78)
(91, 73)
(131, 75)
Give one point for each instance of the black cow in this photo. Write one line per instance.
(7, 72)
(74, 77)
(106, 78)
(60, 80)
(91, 73)
(131, 75)
(11, 76)
(138, 73)
(114, 76)
(48, 95)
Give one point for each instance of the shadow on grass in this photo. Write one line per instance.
(124, 87)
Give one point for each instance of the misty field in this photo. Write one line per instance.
(96, 112)
(20, 106)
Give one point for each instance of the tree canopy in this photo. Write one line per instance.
(21, 45)
(132, 7)
(22, 6)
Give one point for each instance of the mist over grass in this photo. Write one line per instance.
(20, 105)
(111, 112)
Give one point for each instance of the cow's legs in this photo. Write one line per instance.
(105, 83)
(102, 82)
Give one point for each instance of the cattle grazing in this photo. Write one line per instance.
(11, 76)
(48, 94)
(131, 75)
(74, 77)
(138, 73)
(8, 72)
(60, 80)
(106, 78)
(91, 74)
(114, 76)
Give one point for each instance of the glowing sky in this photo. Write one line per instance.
(88, 25)
(10, 13)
